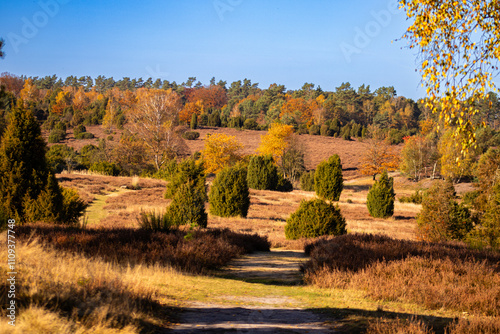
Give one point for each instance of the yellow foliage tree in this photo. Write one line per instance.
(276, 141)
(450, 150)
(30, 92)
(459, 45)
(220, 151)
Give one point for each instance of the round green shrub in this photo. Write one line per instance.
(105, 168)
(229, 195)
(284, 185)
(314, 130)
(191, 135)
(262, 173)
(188, 171)
(326, 131)
(250, 124)
(84, 135)
(188, 206)
(313, 219)
(60, 126)
(57, 136)
(328, 180)
(380, 200)
(307, 181)
(79, 129)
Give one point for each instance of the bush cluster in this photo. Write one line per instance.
(315, 218)
(415, 198)
(106, 168)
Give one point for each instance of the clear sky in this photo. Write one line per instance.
(325, 42)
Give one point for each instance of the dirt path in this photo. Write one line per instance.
(273, 314)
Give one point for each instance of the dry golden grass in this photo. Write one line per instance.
(62, 293)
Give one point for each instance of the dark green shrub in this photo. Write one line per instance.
(415, 198)
(73, 207)
(24, 172)
(335, 126)
(188, 171)
(307, 181)
(60, 126)
(326, 131)
(302, 129)
(395, 137)
(345, 132)
(214, 119)
(106, 168)
(262, 173)
(250, 124)
(284, 185)
(328, 180)
(61, 157)
(79, 129)
(380, 200)
(188, 206)
(166, 172)
(314, 130)
(229, 195)
(191, 135)
(313, 219)
(194, 122)
(203, 120)
(441, 217)
(87, 135)
(48, 206)
(57, 136)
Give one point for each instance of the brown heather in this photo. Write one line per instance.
(198, 251)
(416, 326)
(437, 276)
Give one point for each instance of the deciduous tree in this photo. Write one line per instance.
(154, 119)
(276, 141)
(220, 151)
(379, 157)
(459, 48)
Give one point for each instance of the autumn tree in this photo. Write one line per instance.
(459, 49)
(419, 158)
(154, 119)
(451, 152)
(30, 92)
(220, 151)
(379, 157)
(12, 83)
(276, 140)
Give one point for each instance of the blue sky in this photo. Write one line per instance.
(325, 42)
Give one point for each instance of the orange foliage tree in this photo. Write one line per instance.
(300, 110)
(12, 83)
(189, 109)
(379, 157)
(213, 97)
(220, 151)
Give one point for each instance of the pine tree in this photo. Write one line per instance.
(229, 195)
(24, 172)
(328, 180)
(194, 121)
(380, 200)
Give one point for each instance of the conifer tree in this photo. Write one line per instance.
(328, 180)
(229, 195)
(380, 200)
(262, 173)
(24, 173)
